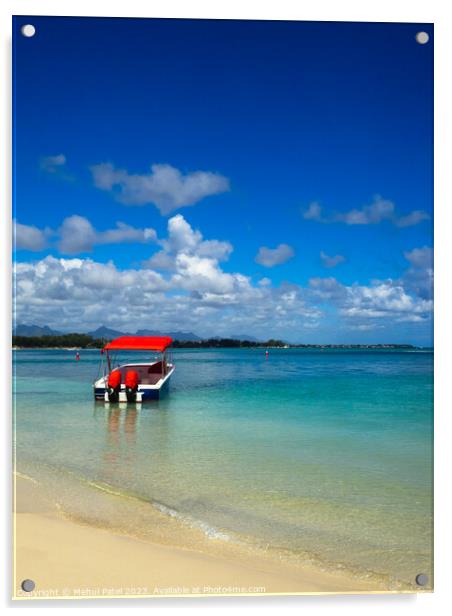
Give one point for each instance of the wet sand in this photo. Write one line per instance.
(70, 559)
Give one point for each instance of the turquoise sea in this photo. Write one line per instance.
(320, 456)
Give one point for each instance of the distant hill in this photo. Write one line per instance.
(106, 332)
(244, 337)
(174, 335)
(34, 330)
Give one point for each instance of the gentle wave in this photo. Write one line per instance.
(296, 558)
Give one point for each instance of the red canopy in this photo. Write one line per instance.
(139, 343)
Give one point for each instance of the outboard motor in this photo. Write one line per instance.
(114, 385)
(131, 381)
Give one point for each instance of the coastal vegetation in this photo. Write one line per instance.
(86, 341)
(82, 341)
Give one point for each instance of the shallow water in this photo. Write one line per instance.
(323, 455)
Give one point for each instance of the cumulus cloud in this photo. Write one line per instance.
(78, 235)
(269, 257)
(59, 289)
(56, 166)
(195, 262)
(330, 261)
(411, 219)
(419, 277)
(314, 212)
(203, 275)
(74, 293)
(379, 210)
(264, 282)
(182, 239)
(28, 237)
(165, 186)
(52, 164)
(376, 212)
(191, 290)
(381, 299)
(420, 257)
(328, 289)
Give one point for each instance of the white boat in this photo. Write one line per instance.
(134, 382)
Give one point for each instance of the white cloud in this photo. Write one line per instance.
(81, 294)
(78, 235)
(165, 186)
(379, 210)
(381, 299)
(418, 279)
(331, 261)
(314, 212)
(269, 257)
(55, 283)
(193, 292)
(56, 166)
(161, 260)
(52, 164)
(203, 275)
(184, 240)
(28, 237)
(376, 212)
(264, 282)
(195, 261)
(420, 257)
(215, 249)
(181, 237)
(411, 219)
(328, 289)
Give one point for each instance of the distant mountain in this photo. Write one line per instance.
(106, 332)
(109, 334)
(149, 332)
(174, 335)
(184, 336)
(34, 330)
(244, 337)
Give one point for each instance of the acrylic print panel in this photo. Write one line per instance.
(223, 307)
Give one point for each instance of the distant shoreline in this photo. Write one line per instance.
(76, 341)
(241, 345)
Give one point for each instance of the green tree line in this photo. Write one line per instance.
(84, 341)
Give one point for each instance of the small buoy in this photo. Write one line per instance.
(77, 356)
(266, 354)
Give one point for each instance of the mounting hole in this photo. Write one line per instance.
(28, 30)
(422, 579)
(28, 585)
(422, 38)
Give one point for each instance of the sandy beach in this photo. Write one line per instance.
(69, 559)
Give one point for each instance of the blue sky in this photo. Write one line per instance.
(280, 171)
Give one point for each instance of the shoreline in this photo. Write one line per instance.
(70, 558)
(305, 347)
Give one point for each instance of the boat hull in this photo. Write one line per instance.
(145, 393)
